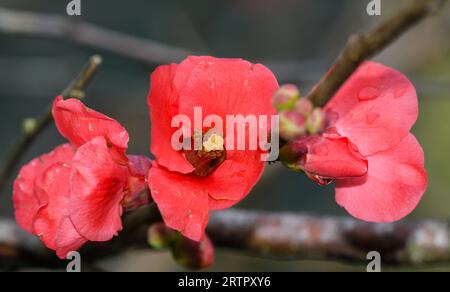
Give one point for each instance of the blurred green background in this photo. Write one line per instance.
(297, 39)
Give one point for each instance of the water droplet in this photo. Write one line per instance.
(371, 118)
(322, 181)
(399, 92)
(368, 93)
(356, 116)
(320, 150)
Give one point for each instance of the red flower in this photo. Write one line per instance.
(367, 148)
(186, 185)
(77, 192)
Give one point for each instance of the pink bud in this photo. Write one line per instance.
(286, 97)
(304, 106)
(292, 125)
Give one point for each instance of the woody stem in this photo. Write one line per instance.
(362, 46)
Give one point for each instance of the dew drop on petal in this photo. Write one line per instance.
(368, 93)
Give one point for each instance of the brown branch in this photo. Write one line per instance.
(363, 46)
(294, 236)
(19, 249)
(89, 35)
(28, 24)
(272, 235)
(33, 127)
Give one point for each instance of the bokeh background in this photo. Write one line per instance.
(297, 39)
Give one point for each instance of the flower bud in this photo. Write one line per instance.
(160, 236)
(292, 125)
(315, 122)
(137, 194)
(193, 255)
(304, 106)
(286, 97)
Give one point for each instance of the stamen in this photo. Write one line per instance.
(214, 143)
(210, 157)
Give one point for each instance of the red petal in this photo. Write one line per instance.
(182, 201)
(161, 101)
(51, 223)
(80, 124)
(328, 157)
(377, 107)
(98, 183)
(67, 238)
(54, 193)
(179, 195)
(233, 180)
(26, 203)
(224, 87)
(391, 189)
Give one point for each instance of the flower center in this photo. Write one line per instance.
(215, 142)
(211, 156)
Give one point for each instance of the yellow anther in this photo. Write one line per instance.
(215, 142)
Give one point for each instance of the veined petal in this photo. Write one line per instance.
(392, 188)
(51, 223)
(26, 201)
(161, 101)
(80, 124)
(375, 108)
(98, 184)
(182, 201)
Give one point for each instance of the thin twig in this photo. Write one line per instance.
(89, 35)
(33, 127)
(30, 24)
(361, 47)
